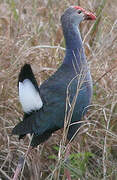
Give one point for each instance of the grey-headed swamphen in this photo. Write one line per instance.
(45, 106)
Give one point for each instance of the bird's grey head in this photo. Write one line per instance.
(75, 14)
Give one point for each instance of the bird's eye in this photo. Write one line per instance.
(79, 11)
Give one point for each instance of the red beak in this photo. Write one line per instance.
(87, 15)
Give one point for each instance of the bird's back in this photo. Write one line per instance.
(64, 83)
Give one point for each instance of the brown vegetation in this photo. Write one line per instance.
(30, 32)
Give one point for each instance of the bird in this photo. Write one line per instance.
(44, 106)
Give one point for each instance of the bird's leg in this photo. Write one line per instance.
(20, 164)
(66, 171)
(19, 167)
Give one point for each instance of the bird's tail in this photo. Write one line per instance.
(23, 127)
(27, 73)
(30, 100)
(29, 94)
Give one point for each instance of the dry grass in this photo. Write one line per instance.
(28, 31)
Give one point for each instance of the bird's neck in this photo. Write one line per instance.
(74, 46)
